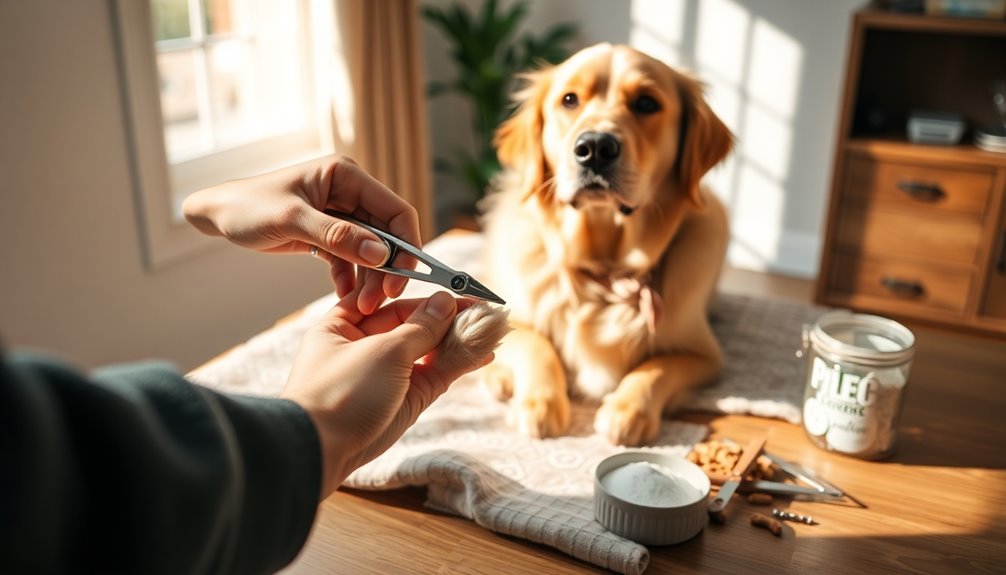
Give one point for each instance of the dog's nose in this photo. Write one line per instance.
(596, 150)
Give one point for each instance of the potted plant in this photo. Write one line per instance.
(488, 54)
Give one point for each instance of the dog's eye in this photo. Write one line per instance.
(570, 101)
(645, 105)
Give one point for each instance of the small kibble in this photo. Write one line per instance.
(760, 499)
(766, 522)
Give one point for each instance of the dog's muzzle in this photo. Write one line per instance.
(597, 151)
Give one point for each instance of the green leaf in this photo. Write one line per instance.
(488, 54)
(559, 34)
(507, 25)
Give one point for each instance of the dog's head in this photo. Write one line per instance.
(611, 127)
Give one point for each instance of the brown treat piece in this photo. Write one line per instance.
(718, 517)
(766, 522)
(717, 458)
(760, 499)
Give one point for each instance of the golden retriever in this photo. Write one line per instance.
(604, 244)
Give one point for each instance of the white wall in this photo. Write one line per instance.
(774, 72)
(71, 272)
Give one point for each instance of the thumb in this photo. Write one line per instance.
(426, 327)
(343, 239)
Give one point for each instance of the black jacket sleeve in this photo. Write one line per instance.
(136, 470)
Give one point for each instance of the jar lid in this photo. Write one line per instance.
(863, 339)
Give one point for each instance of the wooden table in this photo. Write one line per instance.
(937, 506)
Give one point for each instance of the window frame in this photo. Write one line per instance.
(165, 237)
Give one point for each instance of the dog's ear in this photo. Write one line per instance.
(518, 139)
(703, 142)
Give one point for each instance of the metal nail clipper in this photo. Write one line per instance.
(456, 281)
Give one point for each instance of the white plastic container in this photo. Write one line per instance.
(656, 523)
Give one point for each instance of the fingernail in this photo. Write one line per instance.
(373, 252)
(440, 305)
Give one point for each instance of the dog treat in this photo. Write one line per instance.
(760, 499)
(790, 516)
(718, 458)
(766, 522)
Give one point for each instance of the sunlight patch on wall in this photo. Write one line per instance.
(774, 75)
(721, 41)
(756, 219)
(658, 29)
(726, 101)
(766, 141)
(752, 72)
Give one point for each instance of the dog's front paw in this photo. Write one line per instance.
(626, 420)
(498, 380)
(541, 417)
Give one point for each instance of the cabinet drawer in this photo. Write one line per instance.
(928, 286)
(911, 186)
(899, 234)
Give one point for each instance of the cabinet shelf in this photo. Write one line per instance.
(898, 147)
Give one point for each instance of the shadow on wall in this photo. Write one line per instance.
(773, 72)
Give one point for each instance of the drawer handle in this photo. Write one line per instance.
(911, 288)
(922, 191)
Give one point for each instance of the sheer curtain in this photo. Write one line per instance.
(375, 77)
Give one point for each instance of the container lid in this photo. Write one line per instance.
(863, 339)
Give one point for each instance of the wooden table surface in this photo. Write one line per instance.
(937, 506)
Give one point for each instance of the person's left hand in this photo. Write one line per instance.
(364, 380)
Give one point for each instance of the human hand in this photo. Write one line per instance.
(364, 379)
(283, 211)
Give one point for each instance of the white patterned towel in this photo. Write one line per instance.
(474, 465)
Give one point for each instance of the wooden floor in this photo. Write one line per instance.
(937, 506)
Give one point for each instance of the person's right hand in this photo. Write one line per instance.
(283, 211)
(364, 380)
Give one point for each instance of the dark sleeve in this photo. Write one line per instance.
(136, 470)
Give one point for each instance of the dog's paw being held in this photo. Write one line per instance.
(540, 417)
(477, 330)
(625, 421)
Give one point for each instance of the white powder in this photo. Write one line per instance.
(645, 483)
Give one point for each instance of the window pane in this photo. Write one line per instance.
(244, 81)
(171, 19)
(179, 103)
(236, 110)
(218, 16)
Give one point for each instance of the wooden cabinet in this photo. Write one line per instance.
(918, 232)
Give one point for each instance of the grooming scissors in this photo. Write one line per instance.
(440, 274)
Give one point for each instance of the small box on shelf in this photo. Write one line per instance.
(941, 128)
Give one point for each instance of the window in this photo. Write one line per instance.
(214, 90)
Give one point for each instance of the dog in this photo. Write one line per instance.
(604, 243)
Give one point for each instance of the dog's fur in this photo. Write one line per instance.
(608, 270)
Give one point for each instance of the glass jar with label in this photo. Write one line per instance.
(857, 370)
